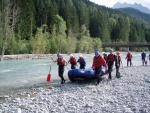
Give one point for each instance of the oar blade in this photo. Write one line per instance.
(48, 77)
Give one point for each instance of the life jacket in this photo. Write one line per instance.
(111, 58)
(143, 55)
(73, 60)
(97, 61)
(129, 56)
(118, 59)
(60, 61)
(81, 60)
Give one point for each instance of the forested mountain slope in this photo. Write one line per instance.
(135, 6)
(50, 26)
(136, 13)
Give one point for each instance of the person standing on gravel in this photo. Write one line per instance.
(129, 58)
(118, 62)
(61, 62)
(110, 63)
(143, 55)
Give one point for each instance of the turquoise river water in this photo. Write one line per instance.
(26, 73)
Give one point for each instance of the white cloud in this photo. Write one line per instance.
(110, 3)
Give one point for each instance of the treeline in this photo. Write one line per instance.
(50, 26)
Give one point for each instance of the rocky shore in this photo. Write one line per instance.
(26, 56)
(32, 56)
(128, 94)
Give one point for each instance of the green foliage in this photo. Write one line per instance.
(60, 25)
(27, 18)
(71, 44)
(24, 47)
(66, 26)
(0, 43)
(88, 45)
(53, 45)
(12, 46)
(137, 13)
(97, 44)
(39, 43)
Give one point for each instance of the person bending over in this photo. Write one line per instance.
(98, 62)
(72, 61)
(82, 62)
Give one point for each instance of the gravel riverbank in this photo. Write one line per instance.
(128, 94)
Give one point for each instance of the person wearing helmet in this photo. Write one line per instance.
(110, 62)
(61, 62)
(118, 62)
(72, 61)
(82, 62)
(143, 55)
(98, 62)
(129, 58)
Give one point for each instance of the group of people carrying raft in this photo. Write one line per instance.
(98, 61)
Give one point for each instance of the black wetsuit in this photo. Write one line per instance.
(110, 63)
(61, 72)
(73, 66)
(97, 74)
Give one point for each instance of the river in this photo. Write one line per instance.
(16, 74)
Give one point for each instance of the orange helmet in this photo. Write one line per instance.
(118, 53)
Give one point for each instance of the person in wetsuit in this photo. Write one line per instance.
(72, 61)
(118, 62)
(82, 62)
(61, 62)
(98, 62)
(110, 63)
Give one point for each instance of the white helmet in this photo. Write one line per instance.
(71, 55)
(80, 56)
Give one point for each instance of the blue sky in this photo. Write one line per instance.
(110, 3)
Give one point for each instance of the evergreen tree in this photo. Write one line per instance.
(26, 18)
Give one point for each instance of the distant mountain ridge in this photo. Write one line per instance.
(135, 6)
(136, 13)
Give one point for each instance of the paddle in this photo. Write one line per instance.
(49, 75)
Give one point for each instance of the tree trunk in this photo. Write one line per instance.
(6, 20)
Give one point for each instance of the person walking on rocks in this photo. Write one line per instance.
(118, 62)
(129, 58)
(143, 55)
(61, 62)
(110, 63)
